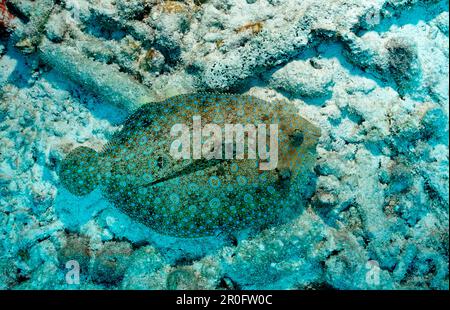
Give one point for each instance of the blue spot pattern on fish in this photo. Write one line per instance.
(197, 197)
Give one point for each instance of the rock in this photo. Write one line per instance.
(111, 262)
(146, 270)
(302, 78)
(403, 62)
(182, 279)
(76, 248)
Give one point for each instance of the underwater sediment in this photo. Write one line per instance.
(372, 75)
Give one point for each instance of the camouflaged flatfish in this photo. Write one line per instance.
(197, 197)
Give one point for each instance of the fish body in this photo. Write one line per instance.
(191, 196)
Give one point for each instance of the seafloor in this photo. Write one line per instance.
(372, 74)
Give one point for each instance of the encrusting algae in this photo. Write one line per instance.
(189, 197)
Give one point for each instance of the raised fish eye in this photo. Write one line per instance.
(297, 138)
(284, 178)
(160, 162)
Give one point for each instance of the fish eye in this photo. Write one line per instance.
(160, 162)
(297, 138)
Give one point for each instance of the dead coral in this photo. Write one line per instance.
(254, 27)
(111, 262)
(76, 248)
(5, 15)
(403, 62)
(173, 7)
(182, 279)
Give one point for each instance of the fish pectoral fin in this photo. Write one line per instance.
(198, 165)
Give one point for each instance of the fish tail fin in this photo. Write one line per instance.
(79, 171)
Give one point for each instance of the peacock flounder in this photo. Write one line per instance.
(192, 196)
